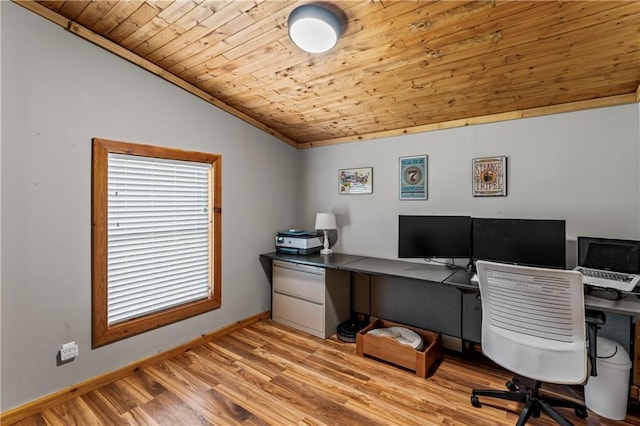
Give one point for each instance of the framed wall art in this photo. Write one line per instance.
(355, 181)
(413, 177)
(490, 177)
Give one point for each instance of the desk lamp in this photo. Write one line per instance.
(325, 222)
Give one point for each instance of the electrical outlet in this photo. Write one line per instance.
(68, 351)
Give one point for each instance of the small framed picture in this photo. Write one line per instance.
(413, 177)
(355, 181)
(490, 177)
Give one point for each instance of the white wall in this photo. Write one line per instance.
(58, 92)
(582, 167)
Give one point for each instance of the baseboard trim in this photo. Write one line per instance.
(29, 409)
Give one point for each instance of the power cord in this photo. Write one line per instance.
(449, 263)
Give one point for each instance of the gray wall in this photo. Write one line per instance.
(58, 92)
(580, 166)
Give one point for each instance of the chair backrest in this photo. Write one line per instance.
(533, 321)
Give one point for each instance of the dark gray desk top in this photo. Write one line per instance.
(399, 268)
(630, 305)
(330, 261)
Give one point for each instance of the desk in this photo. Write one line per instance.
(423, 287)
(630, 305)
(619, 324)
(408, 293)
(436, 297)
(441, 299)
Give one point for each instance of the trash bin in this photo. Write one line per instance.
(607, 393)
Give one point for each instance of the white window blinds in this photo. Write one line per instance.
(158, 234)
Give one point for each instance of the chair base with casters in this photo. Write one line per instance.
(535, 403)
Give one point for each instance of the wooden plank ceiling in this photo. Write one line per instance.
(400, 66)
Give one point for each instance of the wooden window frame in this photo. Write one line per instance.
(102, 332)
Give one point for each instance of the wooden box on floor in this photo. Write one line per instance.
(396, 353)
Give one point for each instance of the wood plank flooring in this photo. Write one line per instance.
(267, 373)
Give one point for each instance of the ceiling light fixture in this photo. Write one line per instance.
(314, 28)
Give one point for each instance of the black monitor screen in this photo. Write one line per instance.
(434, 236)
(609, 254)
(530, 242)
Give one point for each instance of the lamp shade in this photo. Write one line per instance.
(313, 28)
(326, 221)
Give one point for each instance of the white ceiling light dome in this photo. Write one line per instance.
(314, 28)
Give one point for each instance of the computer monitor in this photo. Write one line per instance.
(609, 254)
(530, 242)
(434, 236)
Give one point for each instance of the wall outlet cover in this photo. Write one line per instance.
(68, 351)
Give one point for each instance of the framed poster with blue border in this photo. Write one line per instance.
(413, 177)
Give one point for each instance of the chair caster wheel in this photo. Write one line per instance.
(475, 401)
(511, 386)
(581, 412)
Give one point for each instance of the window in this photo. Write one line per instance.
(156, 224)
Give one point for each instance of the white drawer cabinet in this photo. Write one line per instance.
(312, 299)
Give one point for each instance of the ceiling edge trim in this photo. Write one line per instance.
(135, 59)
(484, 119)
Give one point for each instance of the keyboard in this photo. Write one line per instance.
(608, 279)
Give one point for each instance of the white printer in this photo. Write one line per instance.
(297, 241)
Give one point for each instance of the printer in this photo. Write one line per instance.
(297, 241)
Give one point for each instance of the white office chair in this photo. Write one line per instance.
(533, 324)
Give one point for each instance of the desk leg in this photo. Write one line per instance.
(635, 387)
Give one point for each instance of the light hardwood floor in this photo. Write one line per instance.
(267, 373)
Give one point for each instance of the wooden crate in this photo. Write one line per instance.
(396, 353)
